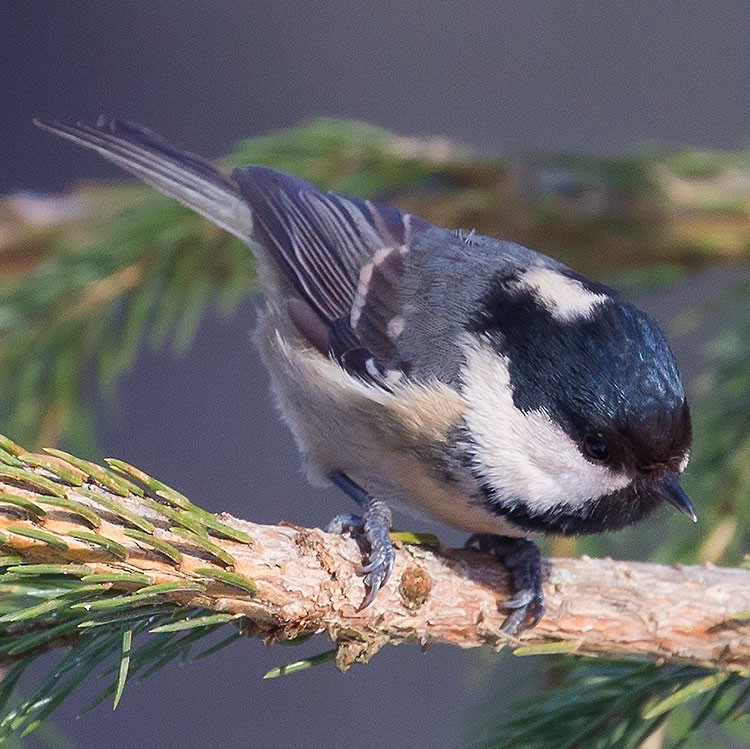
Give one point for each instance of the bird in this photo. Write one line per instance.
(455, 376)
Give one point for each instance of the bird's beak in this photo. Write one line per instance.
(675, 495)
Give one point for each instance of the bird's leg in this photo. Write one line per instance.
(523, 561)
(374, 524)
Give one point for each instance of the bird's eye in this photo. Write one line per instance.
(595, 447)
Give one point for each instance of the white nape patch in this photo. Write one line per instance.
(525, 455)
(565, 298)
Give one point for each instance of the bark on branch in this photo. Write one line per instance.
(307, 581)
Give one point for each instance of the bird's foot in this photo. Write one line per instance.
(523, 561)
(373, 528)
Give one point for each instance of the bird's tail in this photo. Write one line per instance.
(190, 179)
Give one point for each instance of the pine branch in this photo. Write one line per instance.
(288, 581)
(95, 557)
(294, 581)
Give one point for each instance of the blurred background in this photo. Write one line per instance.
(547, 87)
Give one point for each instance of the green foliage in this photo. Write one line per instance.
(43, 609)
(303, 665)
(617, 705)
(116, 621)
(353, 158)
(694, 164)
(720, 473)
(82, 310)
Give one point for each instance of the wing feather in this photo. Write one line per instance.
(343, 256)
(189, 178)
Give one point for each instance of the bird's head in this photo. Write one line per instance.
(576, 416)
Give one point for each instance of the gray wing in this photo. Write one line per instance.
(383, 291)
(394, 293)
(343, 256)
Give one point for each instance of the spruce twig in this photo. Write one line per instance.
(97, 593)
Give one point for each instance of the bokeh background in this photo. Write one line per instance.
(501, 77)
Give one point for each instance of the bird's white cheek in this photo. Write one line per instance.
(525, 455)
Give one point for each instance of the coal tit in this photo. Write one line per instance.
(481, 383)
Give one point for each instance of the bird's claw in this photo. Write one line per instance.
(376, 573)
(523, 561)
(520, 599)
(373, 527)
